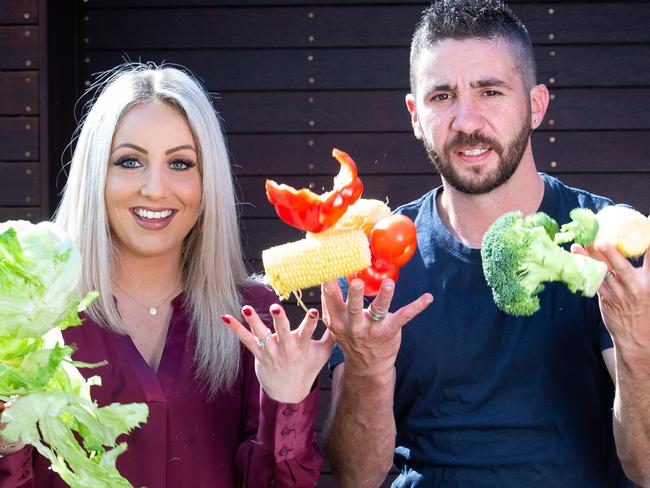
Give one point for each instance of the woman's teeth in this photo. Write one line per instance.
(148, 214)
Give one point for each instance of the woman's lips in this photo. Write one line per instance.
(152, 223)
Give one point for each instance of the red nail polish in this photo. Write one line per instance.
(247, 311)
(313, 313)
(275, 309)
(225, 318)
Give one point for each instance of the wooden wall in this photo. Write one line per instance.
(23, 74)
(294, 78)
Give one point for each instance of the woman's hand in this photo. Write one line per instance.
(7, 447)
(287, 362)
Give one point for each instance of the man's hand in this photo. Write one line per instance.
(624, 299)
(370, 346)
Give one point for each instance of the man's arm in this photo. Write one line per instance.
(625, 306)
(361, 428)
(631, 418)
(360, 435)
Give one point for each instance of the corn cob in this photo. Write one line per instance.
(315, 260)
(363, 215)
(625, 228)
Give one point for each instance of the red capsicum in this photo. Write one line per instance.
(310, 211)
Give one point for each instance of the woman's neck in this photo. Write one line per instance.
(149, 277)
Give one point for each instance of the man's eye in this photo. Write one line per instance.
(441, 97)
(128, 162)
(492, 93)
(181, 164)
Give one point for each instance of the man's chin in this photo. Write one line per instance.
(475, 184)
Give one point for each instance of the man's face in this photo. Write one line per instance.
(472, 112)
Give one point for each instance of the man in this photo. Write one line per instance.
(466, 395)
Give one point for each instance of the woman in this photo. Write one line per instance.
(151, 205)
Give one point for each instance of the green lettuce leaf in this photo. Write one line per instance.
(40, 268)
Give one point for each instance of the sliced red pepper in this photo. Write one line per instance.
(311, 212)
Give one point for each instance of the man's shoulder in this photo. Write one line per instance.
(575, 197)
(412, 209)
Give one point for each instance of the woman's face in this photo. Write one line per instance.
(153, 186)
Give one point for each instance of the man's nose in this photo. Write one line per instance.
(467, 116)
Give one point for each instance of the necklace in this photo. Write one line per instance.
(153, 311)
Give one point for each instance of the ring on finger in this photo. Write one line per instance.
(261, 342)
(610, 274)
(374, 315)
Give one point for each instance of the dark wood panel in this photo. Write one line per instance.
(19, 12)
(371, 68)
(632, 188)
(593, 65)
(18, 93)
(598, 109)
(20, 184)
(390, 153)
(384, 111)
(355, 25)
(19, 47)
(19, 139)
(20, 213)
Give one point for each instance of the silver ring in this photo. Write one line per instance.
(262, 342)
(377, 317)
(610, 274)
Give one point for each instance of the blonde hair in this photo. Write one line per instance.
(213, 270)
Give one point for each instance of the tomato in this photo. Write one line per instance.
(393, 240)
(373, 275)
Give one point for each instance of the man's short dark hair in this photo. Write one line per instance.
(474, 19)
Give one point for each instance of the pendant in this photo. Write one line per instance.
(153, 311)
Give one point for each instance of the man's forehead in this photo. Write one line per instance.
(443, 62)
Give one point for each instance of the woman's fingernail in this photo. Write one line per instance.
(313, 313)
(225, 318)
(248, 311)
(275, 309)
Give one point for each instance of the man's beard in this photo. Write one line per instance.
(509, 160)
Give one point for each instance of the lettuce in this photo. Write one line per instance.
(40, 268)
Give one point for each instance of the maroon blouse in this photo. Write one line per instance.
(240, 438)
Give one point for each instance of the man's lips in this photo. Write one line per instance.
(474, 154)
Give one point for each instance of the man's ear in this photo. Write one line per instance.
(539, 99)
(415, 123)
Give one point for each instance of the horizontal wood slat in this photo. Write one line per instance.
(19, 47)
(384, 111)
(371, 68)
(19, 184)
(263, 230)
(18, 93)
(391, 153)
(19, 139)
(19, 12)
(631, 188)
(32, 214)
(355, 25)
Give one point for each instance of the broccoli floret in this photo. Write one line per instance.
(540, 219)
(519, 256)
(582, 228)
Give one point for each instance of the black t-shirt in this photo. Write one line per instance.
(484, 399)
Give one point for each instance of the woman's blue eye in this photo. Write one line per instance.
(181, 164)
(128, 162)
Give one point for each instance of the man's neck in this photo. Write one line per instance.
(468, 216)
